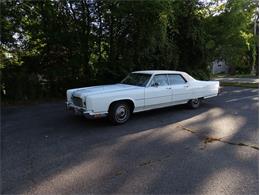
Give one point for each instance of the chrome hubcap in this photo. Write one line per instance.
(121, 113)
(195, 101)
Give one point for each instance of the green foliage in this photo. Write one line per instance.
(200, 74)
(230, 30)
(50, 46)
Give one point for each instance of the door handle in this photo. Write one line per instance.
(168, 88)
(186, 86)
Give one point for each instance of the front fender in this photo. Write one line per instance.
(122, 99)
(102, 104)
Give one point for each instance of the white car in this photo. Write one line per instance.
(140, 91)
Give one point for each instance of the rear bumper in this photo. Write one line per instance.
(83, 111)
(220, 90)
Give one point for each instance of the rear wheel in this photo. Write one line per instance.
(194, 103)
(119, 113)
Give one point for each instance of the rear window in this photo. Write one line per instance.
(176, 79)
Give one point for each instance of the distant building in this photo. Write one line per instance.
(219, 66)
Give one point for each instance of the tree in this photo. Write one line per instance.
(50, 46)
(230, 31)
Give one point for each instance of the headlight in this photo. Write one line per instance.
(77, 101)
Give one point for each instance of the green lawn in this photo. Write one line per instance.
(234, 76)
(236, 84)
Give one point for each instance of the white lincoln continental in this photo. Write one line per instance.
(140, 91)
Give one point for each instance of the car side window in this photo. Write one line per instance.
(160, 80)
(176, 79)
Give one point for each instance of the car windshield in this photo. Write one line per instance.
(137, 79)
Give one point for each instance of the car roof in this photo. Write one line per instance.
(158, 72)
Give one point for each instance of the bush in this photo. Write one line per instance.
(200, 74)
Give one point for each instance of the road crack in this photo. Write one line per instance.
(208, 139)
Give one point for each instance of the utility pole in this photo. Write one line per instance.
(253, 65)
(253, 71)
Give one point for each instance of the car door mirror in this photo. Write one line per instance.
(155, 85)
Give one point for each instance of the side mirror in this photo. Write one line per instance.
(155, 85)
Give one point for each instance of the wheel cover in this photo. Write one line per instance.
(121, 113)
(195, 101)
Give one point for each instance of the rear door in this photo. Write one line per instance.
(180, 88)
(158, 93)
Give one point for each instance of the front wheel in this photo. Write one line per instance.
(119, 113)
(194, 103)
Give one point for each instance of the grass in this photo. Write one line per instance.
(237, 84)
(234, 76)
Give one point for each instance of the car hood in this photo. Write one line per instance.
(102, 89)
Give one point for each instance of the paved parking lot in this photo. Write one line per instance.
(211, 150)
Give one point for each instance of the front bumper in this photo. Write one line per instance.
(83, 111)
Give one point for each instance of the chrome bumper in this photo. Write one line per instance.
(83, 111)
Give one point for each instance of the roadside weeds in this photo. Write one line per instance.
(239, 84)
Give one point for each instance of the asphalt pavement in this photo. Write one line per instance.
(176, 150)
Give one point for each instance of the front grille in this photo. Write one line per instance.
(77, 101)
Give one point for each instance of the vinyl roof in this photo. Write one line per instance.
(152, 72)
(158, 72)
